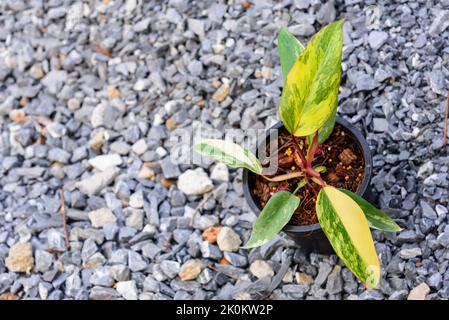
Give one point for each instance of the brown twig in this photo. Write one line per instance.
(445, 119)
(64, 221)
(301, 154)
(203, 201)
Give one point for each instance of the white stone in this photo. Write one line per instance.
(228, 240)
(140, 147)
(161, 152)
(419, 293)
(105, 161)
(136, 200)
(130, 6)
(127, 289)
(441, 210)
(98, 115)
(288, 277)
(261, 269)
(101, 217)
(43, 291)
(194, 182)
(141, 85)
(220, 173)
(135, 219)
(96, 182)
(425, 169)
(410, 253)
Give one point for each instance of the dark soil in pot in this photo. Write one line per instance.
(347, 158)
(340, 154)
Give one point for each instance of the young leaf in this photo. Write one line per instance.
(376, 218)
(311, 90)
(348, 231)
(320, 169)
(274, 216)
(230, 153)
(301, 183)
(289, 50)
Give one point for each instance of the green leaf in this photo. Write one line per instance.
(289, 50)
(376, 218)
(310, 93)
(230, 153)
(347, 229)
(274, 216)
(320, 169)
(301, 183)
(326, 130)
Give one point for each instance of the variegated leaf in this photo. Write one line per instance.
(311, 90)
(289, 50)
(376, 218)
(347, 229)
(230, 153)
(326, 130)
(274, 216)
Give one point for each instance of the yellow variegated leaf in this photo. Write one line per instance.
(347, 229)
(311, 89)
(230, 153)
(326, 130)
(376, 218)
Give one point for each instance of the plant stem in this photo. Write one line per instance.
(311, 172)
(301, 154)
(321, 182)
(297, 188)
(286, 176)
(312, 149)
(306, 168)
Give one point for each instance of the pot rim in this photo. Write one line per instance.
(363, 144)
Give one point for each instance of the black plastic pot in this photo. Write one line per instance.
(311, 238)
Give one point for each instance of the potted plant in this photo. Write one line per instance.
(324, 164)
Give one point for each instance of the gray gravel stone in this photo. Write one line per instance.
(210, 251)
(376, 39)
(440, 23)
(410, 253)
(323, 272)
(43, 260)
(170, 268)
(169, 170)
(136, 262)
(334, 283)
(236, 260)
(97, 182)
(427, 210)
(150, 250)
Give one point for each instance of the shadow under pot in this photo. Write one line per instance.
(311, 237)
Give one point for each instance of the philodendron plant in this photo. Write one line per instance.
(308, 110)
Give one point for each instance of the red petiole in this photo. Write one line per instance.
(305, 161)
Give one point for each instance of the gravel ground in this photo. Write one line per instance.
(92, 92)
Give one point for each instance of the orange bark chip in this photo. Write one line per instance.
(210, 234)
